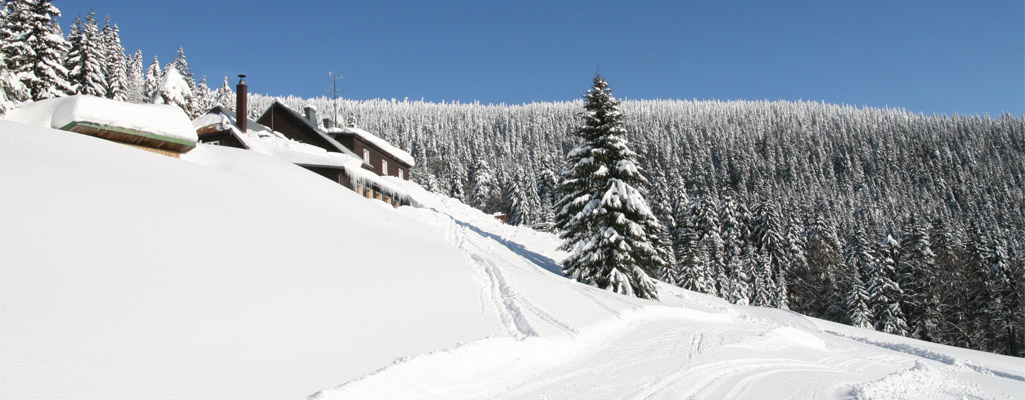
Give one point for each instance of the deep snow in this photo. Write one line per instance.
(232, 274)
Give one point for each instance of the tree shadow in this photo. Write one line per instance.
(542, 261)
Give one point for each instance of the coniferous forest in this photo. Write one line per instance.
(879, 218)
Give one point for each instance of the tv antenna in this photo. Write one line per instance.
(334, 94)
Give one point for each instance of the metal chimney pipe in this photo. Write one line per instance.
(241, 103)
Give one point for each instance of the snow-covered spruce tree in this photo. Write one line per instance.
(821, 294)
(116, 63)
(857, 301)
(605, 221)
(485, 193)
(769, 238)
(12, 91)
(951, 285)
(136, 79)
(86, 61)
(884, 291)
(546, 182)
(225, 96)
(204, 97)
(34, 47)
(151, 83)
(918, 280)
(174, 90)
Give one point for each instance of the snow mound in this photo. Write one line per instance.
(236, 275)
(160, 119)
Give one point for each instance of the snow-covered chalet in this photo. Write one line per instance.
(331, 152)
(157, 128)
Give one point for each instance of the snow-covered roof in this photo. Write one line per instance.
(158, 119)
(312, 125)
(368, 137)
(261, 139)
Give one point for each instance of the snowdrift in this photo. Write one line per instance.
(231, 274)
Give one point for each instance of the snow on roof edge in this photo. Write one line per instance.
(396, 152)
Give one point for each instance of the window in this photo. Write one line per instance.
(384, 167)
(400, 174)
(214, 143)
(366, 156)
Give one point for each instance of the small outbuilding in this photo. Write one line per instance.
(158, 128)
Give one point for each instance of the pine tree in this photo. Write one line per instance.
(174, 90)
(605, 221)
(116, 63)
(86, 61)
(34, 48)
(857, 299)
(770, 241)
(225, 96)
(821, 289)
(204, 97)
(12, 91)
(918, 280)
(514, 200)
(135, 88)
(980, 291)
(151, 85)
(484, 190)
(546, 183)
(73, 60)
(191, 97)
(741, 275)
(884, 291)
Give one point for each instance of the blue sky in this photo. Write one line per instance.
(934, 57)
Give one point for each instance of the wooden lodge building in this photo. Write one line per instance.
(332, 154)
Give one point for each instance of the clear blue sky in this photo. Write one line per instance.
(943, 57)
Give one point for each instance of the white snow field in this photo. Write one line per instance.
(230, 274)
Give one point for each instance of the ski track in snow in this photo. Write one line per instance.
(649, 352)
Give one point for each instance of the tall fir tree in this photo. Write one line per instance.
(857, 299)
(134, 91)
(174, 90)
(485, 193)
(769, 239)
(87, 61)
(151, 84)
(34, 48)
(12, 91)
(225, 96)
(884, 291)
(605, 221)
(918, 280)
(116, 63)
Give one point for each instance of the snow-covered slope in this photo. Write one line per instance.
(230, 274)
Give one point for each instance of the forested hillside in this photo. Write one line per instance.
(874, 217)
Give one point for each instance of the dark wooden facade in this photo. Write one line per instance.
(374, 158)
(220, 138)
(296, 127)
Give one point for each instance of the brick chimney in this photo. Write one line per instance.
(241, 103)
